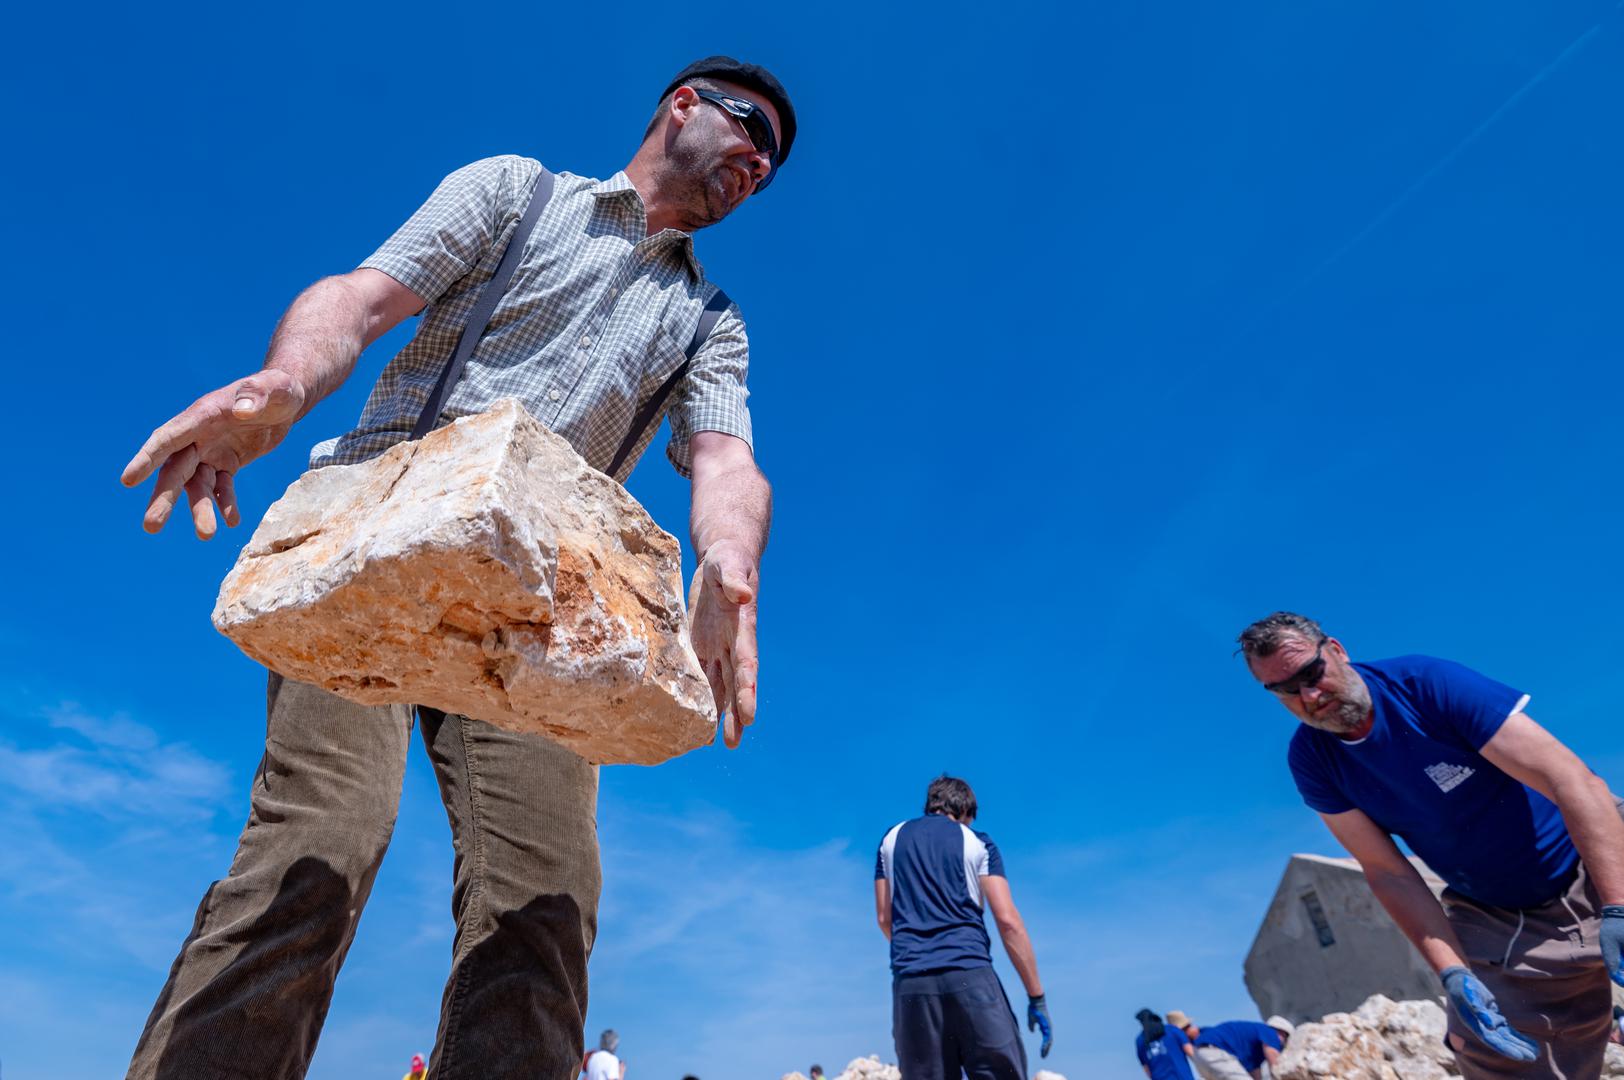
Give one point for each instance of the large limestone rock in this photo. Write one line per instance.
(485, 570)
(1615, 1063)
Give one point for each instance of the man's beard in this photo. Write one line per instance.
(1347, 715)
(698, 182)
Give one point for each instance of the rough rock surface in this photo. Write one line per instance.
(1381, 1040)
(1385, 1040)
(485, 570)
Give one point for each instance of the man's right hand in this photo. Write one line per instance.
(1037, 1018)
(1478, 1010)
(201, 450)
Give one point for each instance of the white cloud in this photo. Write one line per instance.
(115, 767)
(93, 804)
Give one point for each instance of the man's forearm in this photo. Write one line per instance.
(1592, 817)
(320, 337)
(1419, 914)
(732, 502)
(1019, 947)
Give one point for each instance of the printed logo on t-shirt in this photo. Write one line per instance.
(1449, 777)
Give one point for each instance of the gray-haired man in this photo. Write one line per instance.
(607, 287)
(1529, 840)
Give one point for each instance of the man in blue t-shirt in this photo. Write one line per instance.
(1528, 839)
(948, 1010)
(1234, 1049)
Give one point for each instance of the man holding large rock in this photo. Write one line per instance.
(1530, 841)
(587, 334)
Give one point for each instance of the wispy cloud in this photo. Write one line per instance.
(92, 803)
(111, 766)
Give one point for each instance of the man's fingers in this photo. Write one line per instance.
(200, 490)
(730, 577)
(166, 490)
(734, 721)
(736, 587)
(160, 446)
(713, 675)
(746, 667)
(225, 493)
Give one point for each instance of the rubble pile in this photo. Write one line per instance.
(1385, 1040)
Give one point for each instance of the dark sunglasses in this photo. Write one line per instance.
(1308, 675)
(754, 120)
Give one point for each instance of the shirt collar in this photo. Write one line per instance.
(620, 186)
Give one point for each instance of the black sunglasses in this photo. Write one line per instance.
(753, 118)
(1308, 675)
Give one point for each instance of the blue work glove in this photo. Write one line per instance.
(1612, 941)
(1475, 1005)
(1037, 1017)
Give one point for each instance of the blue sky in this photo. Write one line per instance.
(1083, 334)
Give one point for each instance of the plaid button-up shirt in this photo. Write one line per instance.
(597, 316)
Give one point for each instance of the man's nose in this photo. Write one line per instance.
(1310, 694)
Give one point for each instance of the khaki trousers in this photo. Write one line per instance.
(249, 991)
(1215, 1064)
(1544, 967)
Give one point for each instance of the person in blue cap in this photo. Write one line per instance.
(1164, 1052)
(1529, 840)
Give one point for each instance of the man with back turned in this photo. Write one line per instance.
(932, 879)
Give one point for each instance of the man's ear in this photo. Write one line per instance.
(683, 104)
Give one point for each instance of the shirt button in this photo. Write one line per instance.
(586, 341)
(614, 292)
(552, 395)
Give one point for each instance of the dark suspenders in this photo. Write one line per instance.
(491, 293)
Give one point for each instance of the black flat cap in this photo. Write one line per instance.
(753, 76)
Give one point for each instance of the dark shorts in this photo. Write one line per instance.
(952, 1022)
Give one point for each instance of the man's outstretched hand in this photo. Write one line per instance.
(201, 450)
(722, 606)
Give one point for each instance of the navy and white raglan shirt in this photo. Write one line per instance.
(1420, 775)
(935, 866)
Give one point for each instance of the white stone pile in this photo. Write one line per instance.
(1385, 1040)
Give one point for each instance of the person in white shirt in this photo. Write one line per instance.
(602, 1064)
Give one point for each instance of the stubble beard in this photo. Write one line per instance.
(1348, 714)
(699, 181)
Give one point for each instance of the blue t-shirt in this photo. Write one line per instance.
(1243, 1038)
(1418, 775)
(1165, 1057)
(935, 866)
